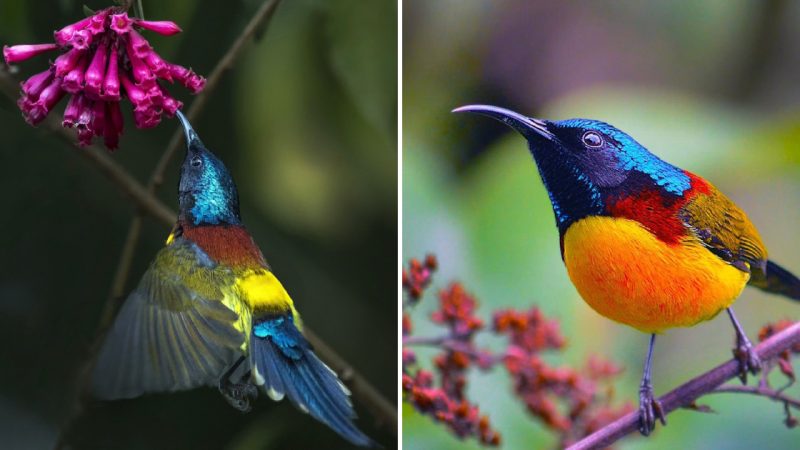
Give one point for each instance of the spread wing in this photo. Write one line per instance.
(173, 332)
(725, 230)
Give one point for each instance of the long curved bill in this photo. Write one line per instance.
(524, 125)
(191, 135)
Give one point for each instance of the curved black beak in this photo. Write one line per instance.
(192, 139)
(526, 126)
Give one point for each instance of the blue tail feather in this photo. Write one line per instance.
(286, 364)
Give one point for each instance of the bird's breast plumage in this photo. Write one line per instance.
(230, 245)
(626, 273)
(253, 290)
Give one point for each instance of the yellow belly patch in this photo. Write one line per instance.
(627, 274)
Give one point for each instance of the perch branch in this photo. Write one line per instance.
(687, 393)
(120, 177)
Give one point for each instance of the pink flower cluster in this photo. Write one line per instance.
(105, 59)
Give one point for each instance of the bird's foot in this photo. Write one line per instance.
(748, 360)
(239, 395)
(650, 409)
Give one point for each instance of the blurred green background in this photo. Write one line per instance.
(306, 122)
(710, 86)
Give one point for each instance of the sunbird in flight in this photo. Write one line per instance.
(645, 243)
(210, 312)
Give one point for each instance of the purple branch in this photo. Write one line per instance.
(687, 393)
(760, 391)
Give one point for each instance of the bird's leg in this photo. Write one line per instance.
(744, 352)
(650, 408)
(237, 394)
(249, 389)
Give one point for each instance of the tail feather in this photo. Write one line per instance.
(778, 281)
(286, 365)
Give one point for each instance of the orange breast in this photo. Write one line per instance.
(628, 275)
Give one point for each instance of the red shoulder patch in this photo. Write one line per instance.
(230, 244)
(649, 209)
(699, 185)
(656, 212)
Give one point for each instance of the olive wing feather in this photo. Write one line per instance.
(173, 331)
(726, 231)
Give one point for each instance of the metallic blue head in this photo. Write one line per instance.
(583, 161)
(207, 193)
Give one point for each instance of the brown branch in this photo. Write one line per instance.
(258, 22)
(96, 155)
(382, 409)
(687, 393)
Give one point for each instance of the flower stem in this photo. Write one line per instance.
(138, 10)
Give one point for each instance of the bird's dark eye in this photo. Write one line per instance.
(592, 139)
(196, 162)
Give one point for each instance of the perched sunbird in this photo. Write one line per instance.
(209, 311)
(645, 243)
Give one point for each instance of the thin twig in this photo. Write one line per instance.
(384, 412)
(120, 177)
(759, 391)
(687, 393)
(424, 340)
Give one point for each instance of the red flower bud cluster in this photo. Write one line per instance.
(104, 59)
(784, 359)
(446, 404)
(418, 276)
(566, 400)
(457, 311)
(570, 402)
(461, 417)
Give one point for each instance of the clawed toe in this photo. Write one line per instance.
(650, 409)
(239, 395)
(748, 360)
(744, 352)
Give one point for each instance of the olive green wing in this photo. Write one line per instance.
(726, 230)
(173, 332)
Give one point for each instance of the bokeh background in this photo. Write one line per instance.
(306, 122)
(710, 86)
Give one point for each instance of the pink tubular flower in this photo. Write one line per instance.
(96, 72)
(162, 27)
(19, 53)
(104, 60)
